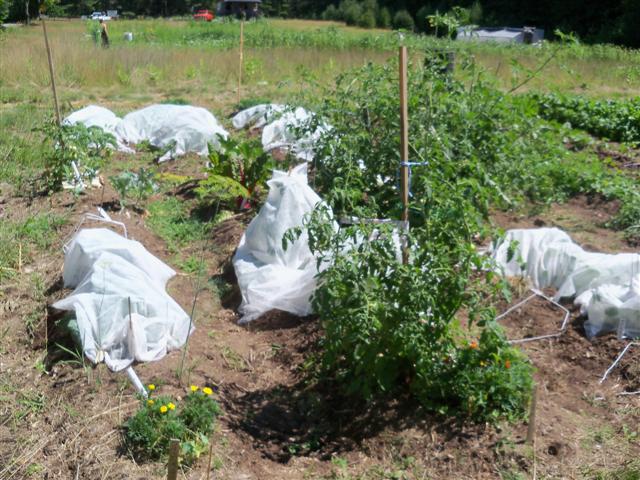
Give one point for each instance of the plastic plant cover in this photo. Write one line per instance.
(269, 276)
(282, 128)
(605, 286)
(177, 128)
(122, 309)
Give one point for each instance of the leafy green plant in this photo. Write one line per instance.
(617, 120)
(427, 327)
(390, 327)
(162, 418)
(237, 173)
(86, 148)
(136, 186)
(447, 24)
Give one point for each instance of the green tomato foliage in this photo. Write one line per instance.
(86, 147)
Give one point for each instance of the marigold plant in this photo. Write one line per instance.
(159, 419)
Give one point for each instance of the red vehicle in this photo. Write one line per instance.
(204, 15)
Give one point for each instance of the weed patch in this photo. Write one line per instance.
(171, 219)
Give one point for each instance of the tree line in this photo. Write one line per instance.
(593, 21)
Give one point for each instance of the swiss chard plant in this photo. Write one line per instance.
(237, 175)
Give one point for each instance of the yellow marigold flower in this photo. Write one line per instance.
(171, 406)
(194, 388)
(163, 409)
(207, 391)
(150, 402)
(151, 387)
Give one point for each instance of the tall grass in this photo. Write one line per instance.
(168, 58)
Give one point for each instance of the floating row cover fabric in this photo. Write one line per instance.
(280, 128)
(270, 277)
(192, 129)
(107, 271)
(605, 286)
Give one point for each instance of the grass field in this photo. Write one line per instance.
(62, 418)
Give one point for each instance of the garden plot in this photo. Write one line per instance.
(282, 415)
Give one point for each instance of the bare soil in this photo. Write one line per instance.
(59, 420)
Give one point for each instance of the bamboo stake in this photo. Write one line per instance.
(404, 145)
(210, 458)
(531, 431)
(241, 57)
(172, 473)
(53, 78)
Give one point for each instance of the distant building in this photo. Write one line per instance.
(250, 8)
(503, 34)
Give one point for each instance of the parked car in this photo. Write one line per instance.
(99, 16)
(204, 15)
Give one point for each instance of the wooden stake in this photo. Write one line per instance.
(53, 77)
(404, 145)
(241, 57)
(174, 448)
(531, 431)
(210, 457)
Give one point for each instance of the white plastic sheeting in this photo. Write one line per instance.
(184, 127)
(108, 271)
(281, 126)
(605, 286)
(269, 276)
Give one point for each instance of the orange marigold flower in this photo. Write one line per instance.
(473, 345)
(507, 364)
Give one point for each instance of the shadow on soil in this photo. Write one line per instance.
(284, 422)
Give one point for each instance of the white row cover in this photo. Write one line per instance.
(605, 286)
(107, 271)
(279, 123)
(269, 276)
(191, 128)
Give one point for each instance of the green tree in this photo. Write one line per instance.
(422, 20)
(331, 13)
(351, 11)
(403, 20)
(475, 13)
(4, 10)
(367, 19)
(630, 19)
(384, 18)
